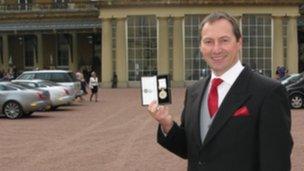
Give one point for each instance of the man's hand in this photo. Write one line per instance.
(161, 114)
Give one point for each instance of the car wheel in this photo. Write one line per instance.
(296, 101)
(12, 110)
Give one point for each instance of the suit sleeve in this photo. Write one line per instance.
(275, 141)
(175, 141)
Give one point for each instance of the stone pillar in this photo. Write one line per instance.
(292, 45)
(106, 58)
(4, 65)
(40, 57)
(278, 50)
(178, 57)
(121, 60)
(73, 60)
(163, 44)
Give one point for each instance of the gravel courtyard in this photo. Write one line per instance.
(114, 134)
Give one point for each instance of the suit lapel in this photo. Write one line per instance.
(236, 96)
(197, 97)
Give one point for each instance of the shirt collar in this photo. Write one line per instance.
(230, 75)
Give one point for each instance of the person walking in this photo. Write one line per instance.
(114, 80)
(233, 119)
(79, 77)
(93, 84)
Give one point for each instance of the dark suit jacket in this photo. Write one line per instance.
(258, 142)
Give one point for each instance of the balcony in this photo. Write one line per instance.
(75, 6)
(111, 3)
(96, 4)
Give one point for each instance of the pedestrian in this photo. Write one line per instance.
(114, 80)
(234, 119)
(281, 72)
(6, 76)
(80, 78)
(93, 84)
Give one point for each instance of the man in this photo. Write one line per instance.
(238, 122)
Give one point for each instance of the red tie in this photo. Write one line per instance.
(213, 96)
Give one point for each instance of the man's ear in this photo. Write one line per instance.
(201, 50)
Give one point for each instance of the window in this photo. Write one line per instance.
(30, 51)
(142, 46)
(114, 23)
(6, 88)
(61, 3)
(285, 24)
(257, 44)
(60, 77)
(195, 67)
(72, 77)
(26, 77)
(42, 76)
(24, 4)
(64, 50)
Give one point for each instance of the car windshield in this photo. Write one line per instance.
(6, 87)
(24, 85)
(26, 76)
(17, 86)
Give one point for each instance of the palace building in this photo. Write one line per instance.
(135, 38)
(48, 34)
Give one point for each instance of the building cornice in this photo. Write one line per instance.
(134, 3)
(184, 10)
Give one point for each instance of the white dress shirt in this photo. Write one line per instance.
(228, 78)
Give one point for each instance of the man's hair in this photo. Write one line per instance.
(222, 15)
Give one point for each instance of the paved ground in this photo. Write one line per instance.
(115, 133)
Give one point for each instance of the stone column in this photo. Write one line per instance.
(163, 44)
(278, 50)
(178, 53)
(73, 60)
(4, 65)
(106, 58)
(121, 60)
(292, 45)
(40, 57)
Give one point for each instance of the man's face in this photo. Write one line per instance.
(219, 46)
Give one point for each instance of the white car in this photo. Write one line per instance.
(62, 77)
(59, 95)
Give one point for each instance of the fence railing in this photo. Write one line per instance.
(92, 5)
(96, 4)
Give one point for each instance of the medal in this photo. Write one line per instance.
(162, 94)
(162, 85)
